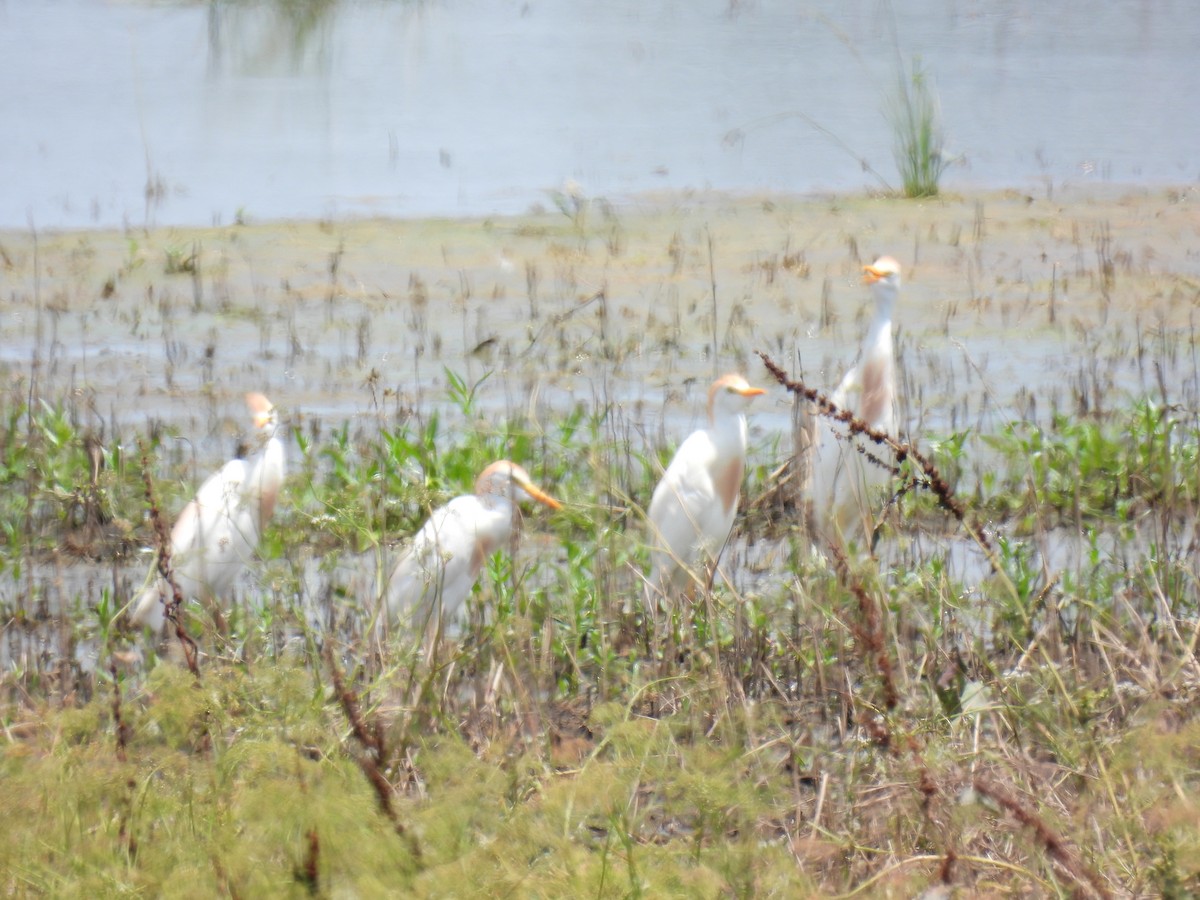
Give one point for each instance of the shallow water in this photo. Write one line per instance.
(191, 113)
(1006, 313)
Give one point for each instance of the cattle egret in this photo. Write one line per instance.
(430, 584)
(216, 533)
(841, 481)
(694, 505)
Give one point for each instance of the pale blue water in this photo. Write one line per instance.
(468, 107)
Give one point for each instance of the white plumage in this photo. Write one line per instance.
(845, 488)
(431, 581)
(693, 507)
(215, 536)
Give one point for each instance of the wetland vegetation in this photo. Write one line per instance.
(1008, 704)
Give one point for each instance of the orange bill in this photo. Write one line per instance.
(538, 494)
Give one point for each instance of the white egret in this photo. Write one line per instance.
(694, 505)
(843, 485)
(216, 534)
(430, 583)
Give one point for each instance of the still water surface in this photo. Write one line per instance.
(198, 113)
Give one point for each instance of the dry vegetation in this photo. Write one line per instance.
(1003, 699)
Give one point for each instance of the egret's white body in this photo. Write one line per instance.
(432, 580)
(215, 536)
(693, 507)
(844, 487)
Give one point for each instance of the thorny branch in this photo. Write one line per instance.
(931, 478)
(163, 537)
(1054, 843)
(872, 637)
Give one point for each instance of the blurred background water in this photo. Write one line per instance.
(132, 113)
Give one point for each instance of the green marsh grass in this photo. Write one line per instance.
(919, 141)
(909, 722)
(807, 733)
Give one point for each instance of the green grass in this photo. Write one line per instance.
(802, 731)
(919, 140)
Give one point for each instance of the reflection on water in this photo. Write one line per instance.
(270, 39)
(193, 113)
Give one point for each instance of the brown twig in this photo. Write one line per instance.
(931, 478)
(128, 841)
(1054, 843)
(309, 872)
(223, 881)
(868, 631)
(372, 759)
(370, 736)
(946, 869)
(118, 721)
(172, 607)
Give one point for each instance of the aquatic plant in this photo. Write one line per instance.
(917, 134)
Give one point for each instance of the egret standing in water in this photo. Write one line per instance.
(429, 585)
(841, 482)
(216, 534)
(694, 505)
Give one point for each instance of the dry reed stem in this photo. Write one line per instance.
(869, 631)
(372, 759)
(1054, 843)
(309, 873)
(596, 297)
(223, 879)
(122, 730)
(127, 840)
(163, 537)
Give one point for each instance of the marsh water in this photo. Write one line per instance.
(1015, 306)
(202, 113)
(179, 132)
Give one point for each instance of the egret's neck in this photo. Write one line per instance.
(264, 435)
(729, 432)
(879, 337)
(878, 344)
(507, 513)
(498, 501)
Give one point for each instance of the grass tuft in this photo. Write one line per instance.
(916, 120)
